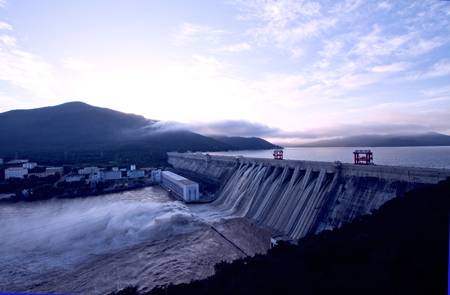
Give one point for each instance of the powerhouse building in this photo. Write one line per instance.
(183, 187)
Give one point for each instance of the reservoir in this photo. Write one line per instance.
(420, 156)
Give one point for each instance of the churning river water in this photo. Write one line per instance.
(99, 244)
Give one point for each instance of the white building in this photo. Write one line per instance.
(156, 175)
(88, 170)
(55, 170)
(29, 165)
(16, 172)
(183, 187)
(135, 173)
(110, 175)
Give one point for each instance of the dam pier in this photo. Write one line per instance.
(297, 198)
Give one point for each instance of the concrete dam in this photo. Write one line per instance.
(297, 198)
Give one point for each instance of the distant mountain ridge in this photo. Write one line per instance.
(424, 139)
(77, 132)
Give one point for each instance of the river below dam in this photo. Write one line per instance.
(96, 245)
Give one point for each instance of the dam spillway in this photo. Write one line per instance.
(297, 198)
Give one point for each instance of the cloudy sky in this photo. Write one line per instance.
(287, 70)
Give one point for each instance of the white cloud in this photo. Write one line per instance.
(346, 7)
(385, 5)
(377, 43)
(233, 48)
(436, 91)
(11, 102)
(422, 46)
(76, 64)
(441, 68)
(3, 3)
(25, 70)
(188, 33)
(5, 26)
(394, 67)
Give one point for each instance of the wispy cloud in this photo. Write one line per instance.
(188, 33)
(25, 70)
(76, 64)
(437, 91)
(442, 68)
(233, 48)
(394, 67)
(385, 5)
(5, 26)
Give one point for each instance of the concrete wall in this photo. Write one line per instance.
(296, 198)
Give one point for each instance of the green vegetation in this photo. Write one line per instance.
(402, 248)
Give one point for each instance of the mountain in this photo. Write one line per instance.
(76, 132)
(246, 143)
(425, 139)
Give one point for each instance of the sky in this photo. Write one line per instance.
(287, 71)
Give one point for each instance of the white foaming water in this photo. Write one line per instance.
(92, 228)
(98, 244)
(41, 241)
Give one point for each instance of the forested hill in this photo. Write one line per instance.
(425, 139)
(76, 132)
(402, 248)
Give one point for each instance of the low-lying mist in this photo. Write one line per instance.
(68, 230)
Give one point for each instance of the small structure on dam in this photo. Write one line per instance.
(363, 157)
(278, 154)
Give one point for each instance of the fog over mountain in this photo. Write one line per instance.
(424, 139)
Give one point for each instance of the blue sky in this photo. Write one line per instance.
(288, 71)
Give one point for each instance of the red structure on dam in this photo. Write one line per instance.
(363, 157)
(278, 154)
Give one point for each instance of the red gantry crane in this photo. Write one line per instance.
(363, 157)
(278, 154)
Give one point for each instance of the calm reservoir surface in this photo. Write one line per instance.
(427, 157)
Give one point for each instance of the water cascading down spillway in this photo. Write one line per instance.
(296, 198)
